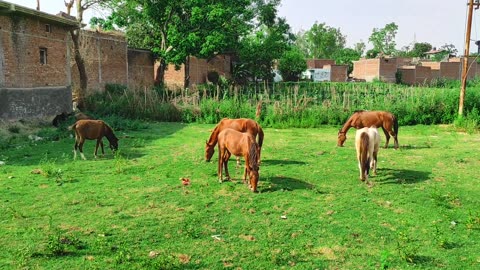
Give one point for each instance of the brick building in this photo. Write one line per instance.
(35, 73)
(336, 73)
(423, 71)
(37, 66)
(199, 68)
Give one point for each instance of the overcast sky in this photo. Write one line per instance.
(433, 21)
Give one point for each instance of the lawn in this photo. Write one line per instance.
(131, 210)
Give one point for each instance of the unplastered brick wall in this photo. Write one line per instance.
(21, 40)
(319, 63)
(140, 68)
(105, 56)
(338, 73)
(198, 71)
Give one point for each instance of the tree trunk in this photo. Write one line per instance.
(80, 91)
(160, 72)
(186, 81)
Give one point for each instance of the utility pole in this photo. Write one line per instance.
(465, 55)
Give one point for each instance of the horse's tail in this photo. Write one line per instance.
(364, 146)
(395, 124)
(253, 156)
(73, 127)
(260, 136)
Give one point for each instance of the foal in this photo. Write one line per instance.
(367, 143)
(237, 143)
(93, 130)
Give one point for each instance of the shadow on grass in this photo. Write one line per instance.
(410, 147)
(280, 183)
(281, 162)
(394, 176)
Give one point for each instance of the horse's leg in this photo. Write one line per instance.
(387, 136)
(101, 145)
(373, 165)
(75, 147)
(226, 157)
(220, 165)
(80, 146)
(96, 147)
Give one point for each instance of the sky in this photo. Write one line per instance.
(432, 21)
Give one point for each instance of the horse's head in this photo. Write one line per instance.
(114, 144)
(209, 150)
(342, 136)
(253, 175)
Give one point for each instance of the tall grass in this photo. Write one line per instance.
(304, 104)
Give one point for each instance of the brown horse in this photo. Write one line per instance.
(237, 143)
(242, 125)
(367, 143)
(92, 130)
(359, 119)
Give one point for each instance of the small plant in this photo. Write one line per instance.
(406, 247)
(49, 169)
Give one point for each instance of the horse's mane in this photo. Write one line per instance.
(108, 132)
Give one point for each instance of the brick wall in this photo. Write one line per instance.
(408, 74)
(366, 69)
(105, 57)
(338, 73)
(387, 69)
(199, 69)
(21, 39)
(319, 63)
(140, 68)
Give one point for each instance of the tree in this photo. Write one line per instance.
(360, 47)
(346, 56)
(269, 40)
(419, 49)
(383, 39)
(175, 30)
(322, 41)
(81, 6)
(292, 64)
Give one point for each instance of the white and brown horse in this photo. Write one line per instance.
(367, 142)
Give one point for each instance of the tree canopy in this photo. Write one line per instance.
(383, 39)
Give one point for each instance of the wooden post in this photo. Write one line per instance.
(465, 58)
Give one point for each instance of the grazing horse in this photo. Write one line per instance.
(367, 143)
(237, 143)
(242, 125)
(92, 130)
(359, 119)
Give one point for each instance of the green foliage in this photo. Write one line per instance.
(321, 41)
(383, 39)
(258, 51)
(303, 104)
(174, 30)
(292, 64)
(346, 56)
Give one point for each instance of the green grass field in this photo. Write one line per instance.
(131, 211)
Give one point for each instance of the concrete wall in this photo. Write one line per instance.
(23, 103)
